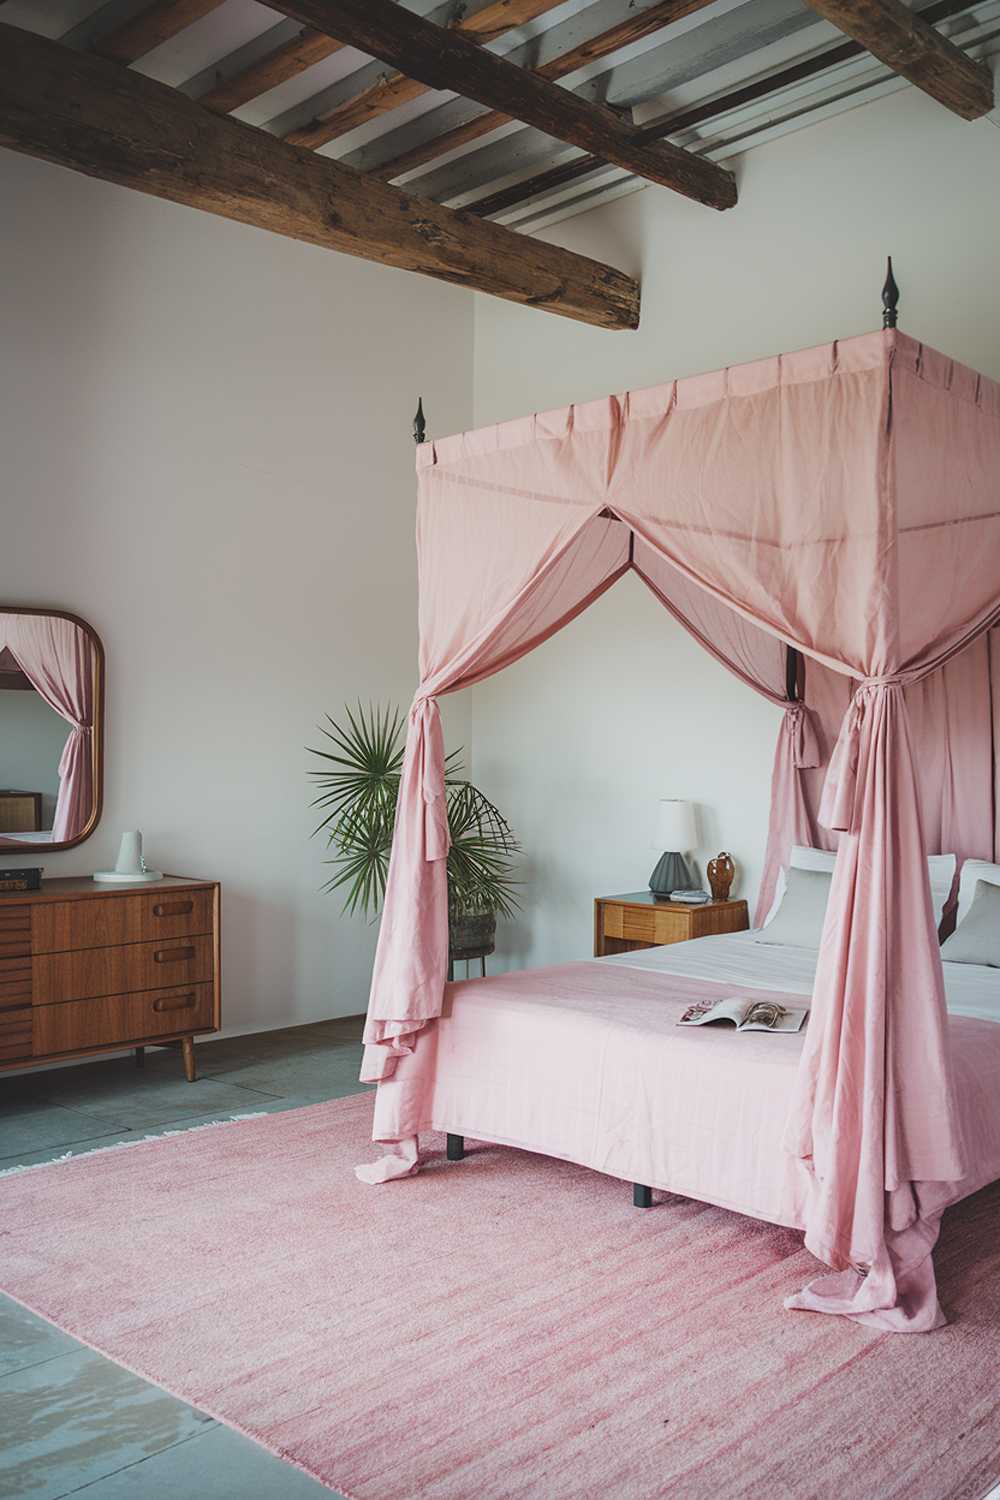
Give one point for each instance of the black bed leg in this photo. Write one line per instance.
(642, 1196)
(455, 1147)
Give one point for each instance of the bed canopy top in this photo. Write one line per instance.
(840, 501)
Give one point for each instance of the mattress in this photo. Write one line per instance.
(585, 1061)
(737, 958)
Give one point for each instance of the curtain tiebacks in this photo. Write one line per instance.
(801, 727)
(425, 743)
(836, 809)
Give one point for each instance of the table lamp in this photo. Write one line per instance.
(675, 834)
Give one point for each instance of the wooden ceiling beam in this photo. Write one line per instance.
(698, 114)
(909, 46)
(443, 59)
(152, 27)
(275, 67)
(396, 89)
(632, 29)
(96, 117)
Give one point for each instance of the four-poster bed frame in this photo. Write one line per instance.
(837, 505)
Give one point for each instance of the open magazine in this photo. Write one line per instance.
(745, 1015)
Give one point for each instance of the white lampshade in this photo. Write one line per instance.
(675, 826)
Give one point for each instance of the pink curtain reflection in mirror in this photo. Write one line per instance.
(60, 659)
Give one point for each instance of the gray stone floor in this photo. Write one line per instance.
(72, 1422)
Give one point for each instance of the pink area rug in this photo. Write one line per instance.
(558, 1343)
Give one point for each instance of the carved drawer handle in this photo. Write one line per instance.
(172, 908)
(171, 955)
(174, 1002)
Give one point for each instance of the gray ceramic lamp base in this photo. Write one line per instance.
(672, 873)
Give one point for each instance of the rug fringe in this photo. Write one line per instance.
(162, 1135)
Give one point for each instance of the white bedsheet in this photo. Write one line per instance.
(735, 958)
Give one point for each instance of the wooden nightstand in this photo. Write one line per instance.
(639, 920)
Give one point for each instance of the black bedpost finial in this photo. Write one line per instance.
(890, 297)
(419, 425)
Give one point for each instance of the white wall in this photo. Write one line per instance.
(32, 740)
(206, 446)
(206, 453)
(579, 739)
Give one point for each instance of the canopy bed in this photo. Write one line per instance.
(835, 507)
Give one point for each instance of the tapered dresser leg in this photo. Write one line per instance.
(140, 1057)
(187, 1053)
(455, 1147)
(642, 1196)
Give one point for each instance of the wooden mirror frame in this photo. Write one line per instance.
(30, 852)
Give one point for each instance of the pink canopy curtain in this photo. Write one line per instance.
(818, 497)
(760, 661)
(952, 716)
(57, 656)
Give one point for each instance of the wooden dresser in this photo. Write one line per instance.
(88, 968)
(641, 920)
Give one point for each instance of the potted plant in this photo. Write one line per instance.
(358, 788)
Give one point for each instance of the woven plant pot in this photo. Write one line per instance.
(472, 936)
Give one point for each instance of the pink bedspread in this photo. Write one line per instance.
(585, 1061)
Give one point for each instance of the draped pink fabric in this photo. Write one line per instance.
(954, 721)
(842, 500)
(58, 658)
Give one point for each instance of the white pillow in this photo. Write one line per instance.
(974, 870)
(976, 939)
(940, 871)
(800, 857)
(798, 922)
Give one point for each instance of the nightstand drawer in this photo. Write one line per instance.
(121, 1018)
(622, 923)
(108, 920)
(650, 926)
(115, 971)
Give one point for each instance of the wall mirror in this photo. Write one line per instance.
(51, 730)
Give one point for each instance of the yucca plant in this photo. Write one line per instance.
(357, 789)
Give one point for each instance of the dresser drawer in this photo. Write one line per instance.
(56, 977)
(104, 921)
(15, 931)
(15, 1032)
(121, 1018)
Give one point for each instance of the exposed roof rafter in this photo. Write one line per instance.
(675, 122)
(910, 46)
(151, 27)
(286, 61)
(632, 28)
(443, 59)
(395, 89)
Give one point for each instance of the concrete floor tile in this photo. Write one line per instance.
(260, 1104)
(77, 1418)
(219, 1464)
(144, 1102)
(26, 1339)
(33, 1127)
(322, 1072)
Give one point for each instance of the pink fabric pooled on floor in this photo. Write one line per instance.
(558, 1344)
